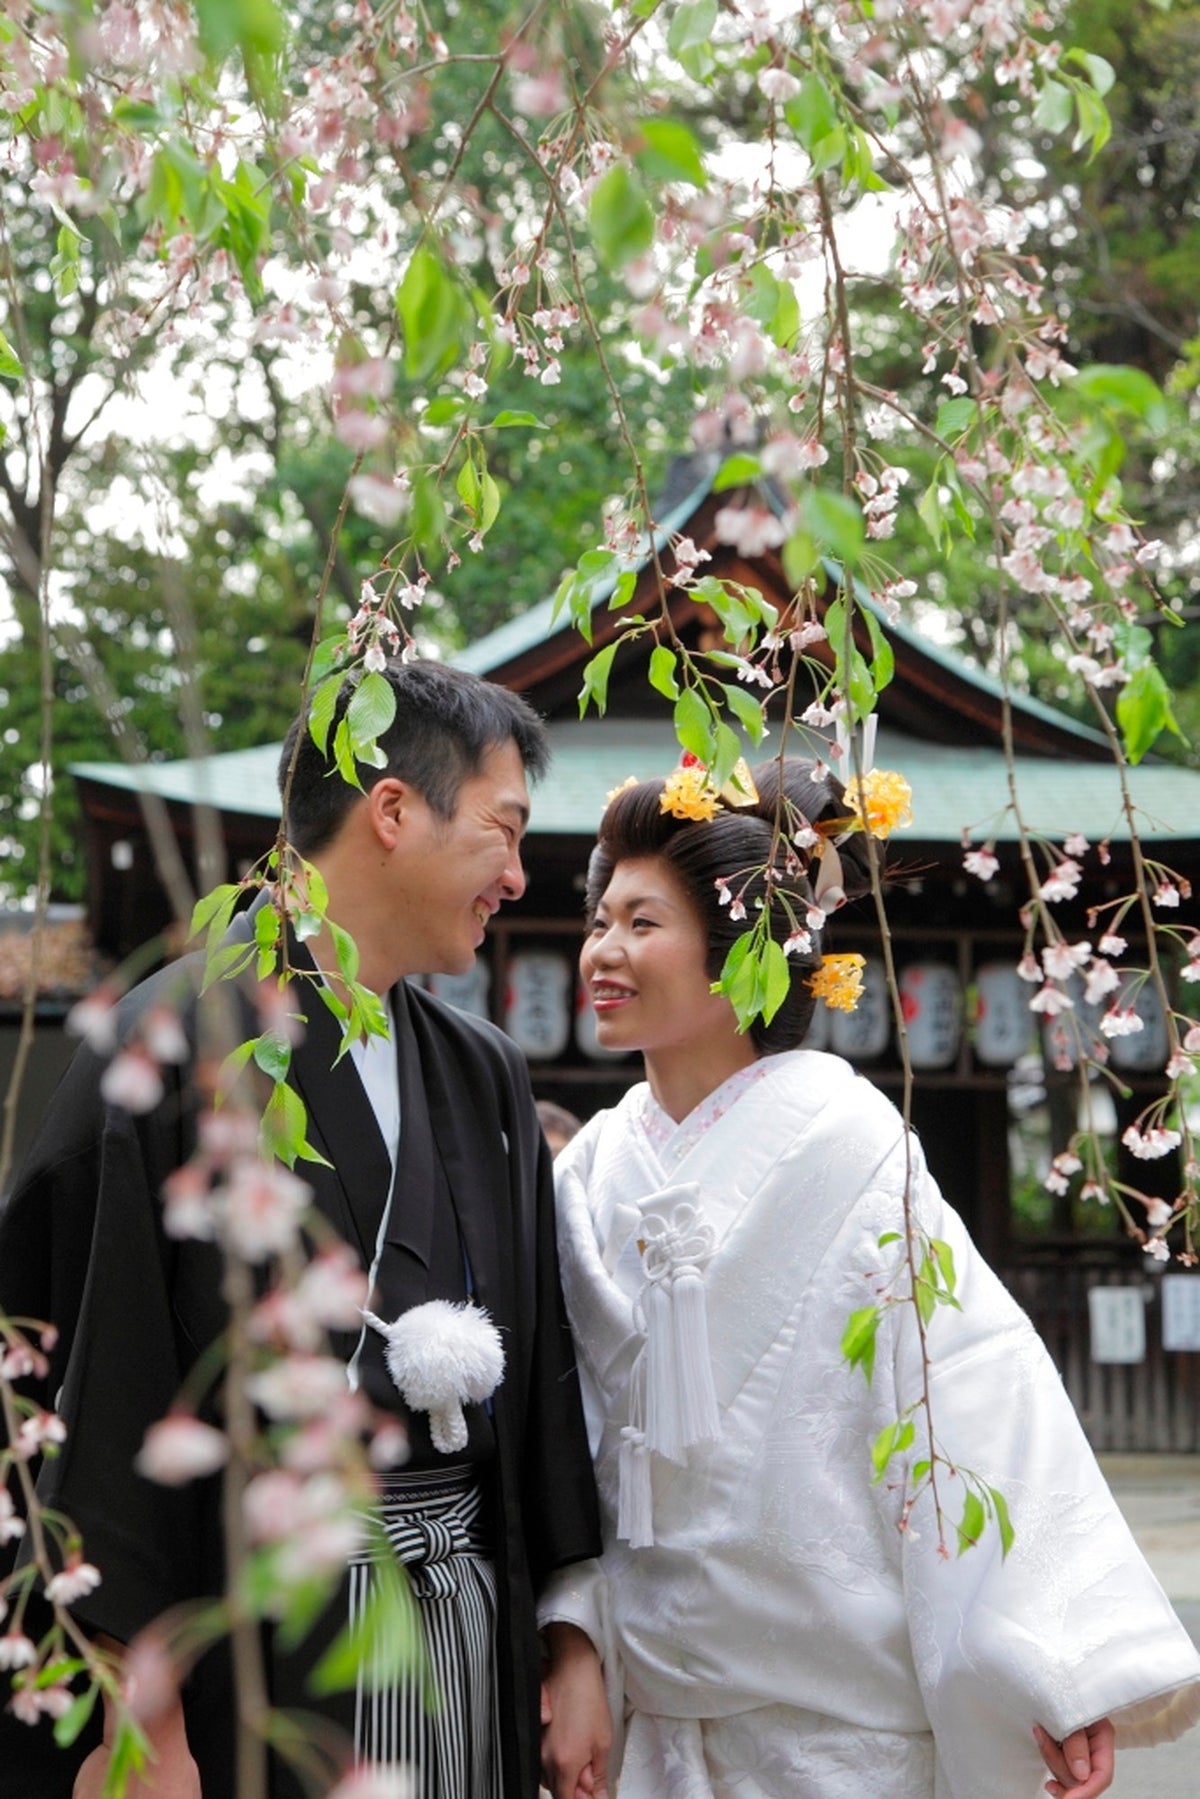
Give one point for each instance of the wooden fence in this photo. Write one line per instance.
(1148, 1405)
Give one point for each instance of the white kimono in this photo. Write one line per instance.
(780, 1635)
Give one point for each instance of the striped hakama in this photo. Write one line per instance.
(441, 1726)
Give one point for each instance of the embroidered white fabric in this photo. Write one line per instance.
(781, 1635)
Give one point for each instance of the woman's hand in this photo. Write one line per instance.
(576, 1728)
(1082, 1764)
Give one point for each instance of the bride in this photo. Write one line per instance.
(774, 1623)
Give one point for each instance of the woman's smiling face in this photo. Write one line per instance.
(644, 964)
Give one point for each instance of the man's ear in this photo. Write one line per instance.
(390, 807)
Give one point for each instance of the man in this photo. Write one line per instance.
(436, 1173)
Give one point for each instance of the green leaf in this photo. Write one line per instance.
(1144, 710)
(68, 1727)
(386, 1635)
(1101, 73)
(727, 752)
(944, 1256)
(1055, 108)
(128, 1756)
(888, 1237)
(1124, 389)
(892, 1440)
(621, 218)
(282, 1133)
(956, 416)
(748, 710)
(830, 151)
(321, 709)
(214, 908)
(226, 961)
(371, 710)
(447, 409)
(970, 1527)
(139, 115)
(774, 305)
(1003, 1521)
(929, 511)
(11, 366)
(669, 152)
(858, 1339)
(226, 25)
(595, 678)
(812, 113)
(835, 521)
(662, 671)
(273, 1054)
(800, 558)
(691, 26)
(694, 724)
(434, 315)
(737, 471)
(883, 665)
(345, 951)
(504, 420)
(776, 978)
(1095, 125)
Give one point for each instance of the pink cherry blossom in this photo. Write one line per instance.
(298, 1386)
(16, 1651)
(72, 1582)
(1121, 1022)
(1062, 882)
(264, 1204)
(179, 1448)
(1148, 1145)
(95, 1020)
(11, 1527)
(982, 863)
(35, 1431)
(1154, 1246)
(132, 1081)
(1051, 1001)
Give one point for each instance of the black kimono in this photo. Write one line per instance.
(82, 1244)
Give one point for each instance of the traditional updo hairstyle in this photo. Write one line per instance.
(734, 848)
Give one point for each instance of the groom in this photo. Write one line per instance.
(439, 1179)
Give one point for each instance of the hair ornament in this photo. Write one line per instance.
(880, 800)
(739, 789)
(838, 981)
(610, 796)
(688, 793)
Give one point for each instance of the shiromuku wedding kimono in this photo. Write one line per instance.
(767, 1626)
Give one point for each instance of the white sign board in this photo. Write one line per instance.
(1117, 1316)
(1181, 1311)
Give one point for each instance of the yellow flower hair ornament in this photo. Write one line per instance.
(838, 981)
(688, 793)
(880, 802)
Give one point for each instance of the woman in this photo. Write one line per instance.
(773, 1621)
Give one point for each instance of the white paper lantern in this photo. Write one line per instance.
(932, 998)
(862, 1035)
(1003, 1021)
(537, 1006)
(469, 992)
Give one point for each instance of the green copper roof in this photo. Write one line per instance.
(952, 787)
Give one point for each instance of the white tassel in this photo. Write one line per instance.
(681, 1401)
(663, 1432)
(635, 1509)
(699, 1420)
(442, 1356)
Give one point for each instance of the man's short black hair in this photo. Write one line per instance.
(446, 721)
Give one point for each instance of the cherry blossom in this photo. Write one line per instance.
(982, 862)
(72, 1582)
(180, 1448)
(1149, 1144)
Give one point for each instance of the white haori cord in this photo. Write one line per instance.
(443, 1356)
(672, 1399)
